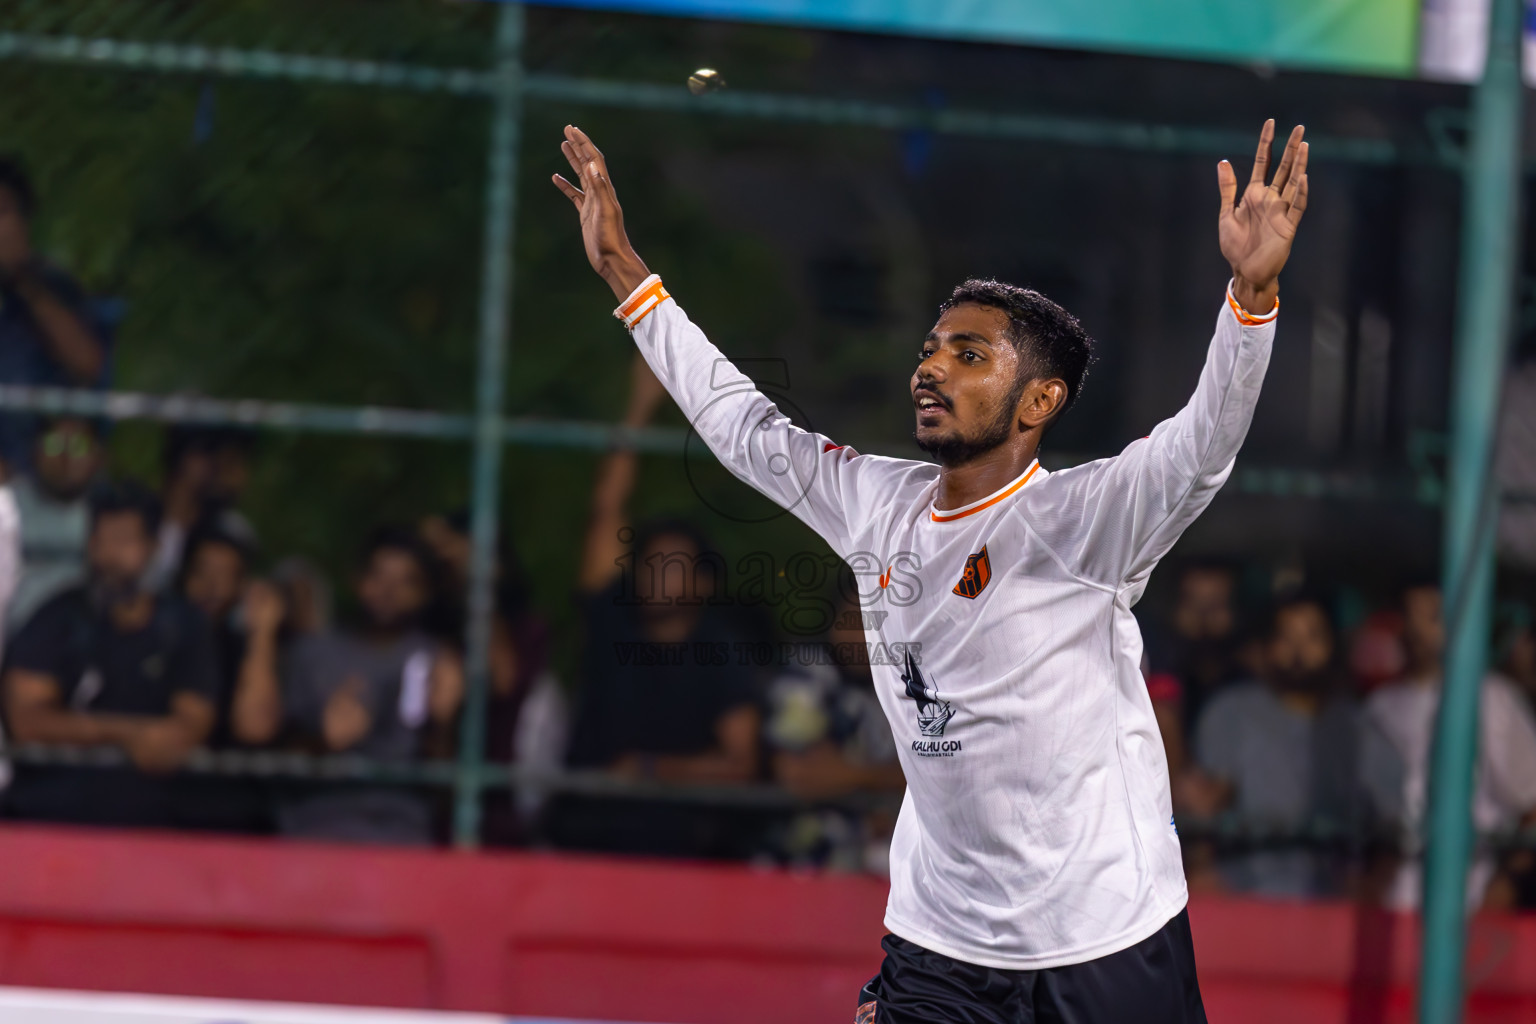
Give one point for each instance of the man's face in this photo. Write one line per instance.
(1423, 628)
(966, 390)
(119, 550)
(66, 458)
(215, 578)
(1303, 642)
(392, 589)
(671, 575)
(1204, 611)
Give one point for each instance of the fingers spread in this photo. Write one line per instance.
(1299, 204)
(1226, 182)
(1298, 171)
(572, 193)
(585, 147)
(569, 149)
(1261, 158)
(1288, 160)
(576, 147)
(596, 181)
(581, 137)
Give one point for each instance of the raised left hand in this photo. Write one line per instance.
(602, 219)
(1256, 233)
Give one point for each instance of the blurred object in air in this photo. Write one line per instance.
(705, 80)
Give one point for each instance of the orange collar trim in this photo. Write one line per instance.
(984, 503)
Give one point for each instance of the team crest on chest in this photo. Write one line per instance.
(978, 573)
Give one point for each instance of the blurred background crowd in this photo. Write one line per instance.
(193, 589)
(148, 617)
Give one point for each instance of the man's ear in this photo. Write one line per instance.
(1041, 402)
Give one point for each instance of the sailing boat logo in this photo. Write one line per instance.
(933, 714)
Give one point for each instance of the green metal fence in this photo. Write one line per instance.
(506, 87)
(1485, 314)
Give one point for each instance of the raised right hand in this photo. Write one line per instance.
(602, 219)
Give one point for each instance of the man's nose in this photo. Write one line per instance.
(932, 370)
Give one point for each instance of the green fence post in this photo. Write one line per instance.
(1485, 302)
(495, 313)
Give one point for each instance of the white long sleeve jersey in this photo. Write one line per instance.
(1037, 828)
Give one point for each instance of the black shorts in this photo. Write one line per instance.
(1152, 982)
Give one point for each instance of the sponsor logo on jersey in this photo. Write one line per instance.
(933, 714)
(978, 573)
(865, 1014)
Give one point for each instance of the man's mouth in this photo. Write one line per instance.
(929, 404)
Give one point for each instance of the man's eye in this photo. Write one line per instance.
(971, 355)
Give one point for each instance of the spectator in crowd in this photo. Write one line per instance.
(384, 689)
(216, 579)
(55, 512)
(827, 738)
(1516, 651)
(656, 703)
(1197, 646)
(206, 473)
(109, 663)
(1289, 751)
(527, 721)
(48, 337)
(1505, 793)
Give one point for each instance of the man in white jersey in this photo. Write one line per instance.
(1035, 870)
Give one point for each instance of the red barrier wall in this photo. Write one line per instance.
(620, 940)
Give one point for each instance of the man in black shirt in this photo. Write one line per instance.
(665, 695)
(216, 580)
(48, 334)
(111, 664)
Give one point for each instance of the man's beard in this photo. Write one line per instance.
(957, 451)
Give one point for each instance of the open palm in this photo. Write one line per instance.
(602, 219)
(1256, 233)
